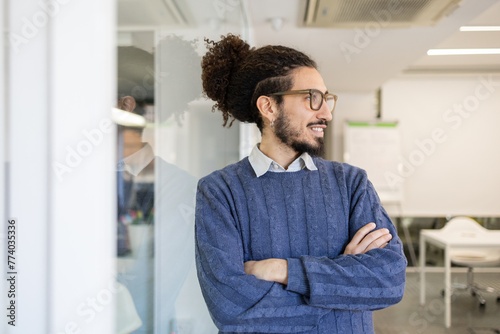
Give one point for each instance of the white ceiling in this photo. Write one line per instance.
(350, 60)
(458, 40)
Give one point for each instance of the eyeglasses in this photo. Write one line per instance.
(316, 98)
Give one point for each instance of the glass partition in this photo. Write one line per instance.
(167, 139)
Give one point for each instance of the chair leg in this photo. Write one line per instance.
(473, 288)
(479, 297)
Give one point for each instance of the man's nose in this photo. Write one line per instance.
(324, 112)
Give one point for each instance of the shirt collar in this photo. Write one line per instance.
(261, 163)
(137, 161)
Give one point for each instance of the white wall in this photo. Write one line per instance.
(450, 159)
(450, 143)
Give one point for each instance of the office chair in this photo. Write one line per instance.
(472, 258)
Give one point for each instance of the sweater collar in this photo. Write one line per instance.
(261, 163)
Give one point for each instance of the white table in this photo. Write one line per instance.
(447, 241)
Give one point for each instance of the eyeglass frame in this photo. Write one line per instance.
(310, 92)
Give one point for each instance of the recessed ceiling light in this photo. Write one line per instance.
(448, 52)
(480, 28)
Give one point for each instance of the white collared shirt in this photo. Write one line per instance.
(137, 161)
(261, 163)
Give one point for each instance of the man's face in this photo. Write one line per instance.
(297, 125)
(132, 141)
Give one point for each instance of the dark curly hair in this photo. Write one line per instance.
(235, 75)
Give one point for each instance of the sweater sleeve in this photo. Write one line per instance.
(369, 281)
(239, 302)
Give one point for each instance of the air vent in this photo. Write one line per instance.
(386, 13)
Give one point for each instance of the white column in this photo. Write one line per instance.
(61, 86)
(3, 159)
(28, 158)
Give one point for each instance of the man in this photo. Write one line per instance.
(287, 242)
(161, 215)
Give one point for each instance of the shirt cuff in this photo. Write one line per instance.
(297, 279)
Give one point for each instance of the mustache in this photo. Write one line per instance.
(321, 122)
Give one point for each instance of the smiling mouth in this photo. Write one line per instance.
(318, 128)
(317, 131)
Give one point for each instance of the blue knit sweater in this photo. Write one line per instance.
(306, 217)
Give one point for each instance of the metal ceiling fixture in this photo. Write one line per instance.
(384, 13)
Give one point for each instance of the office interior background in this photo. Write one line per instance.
(66, 63)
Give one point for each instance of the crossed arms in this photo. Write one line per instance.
(276, 270)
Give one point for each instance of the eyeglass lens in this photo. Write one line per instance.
(317, 98)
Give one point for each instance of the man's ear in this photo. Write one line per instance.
(267, 108)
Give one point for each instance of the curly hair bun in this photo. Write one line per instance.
(218, 65)
(235, 76)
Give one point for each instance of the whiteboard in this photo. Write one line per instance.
(376, 148)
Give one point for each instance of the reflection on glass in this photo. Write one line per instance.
(135, 228)
(159, 163)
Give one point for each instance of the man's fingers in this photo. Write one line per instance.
(362, 232)
(380, 242)
(374, 236)
(274, 270)
(366, 239)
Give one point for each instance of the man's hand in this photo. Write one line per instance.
(365, 240)
(274, 270)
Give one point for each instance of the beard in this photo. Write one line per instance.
(291, 137)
